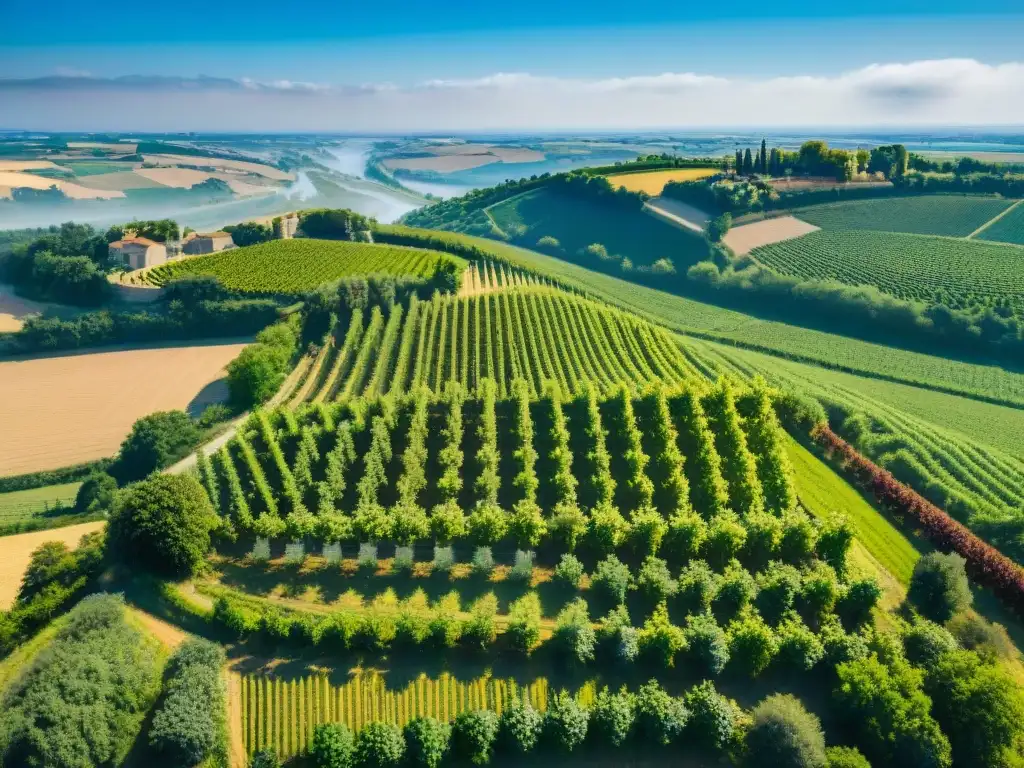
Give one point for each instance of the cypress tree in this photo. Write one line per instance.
(739, 161)
(764, 157)
(748, 162)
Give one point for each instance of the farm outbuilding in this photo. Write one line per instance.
(138, 252)
(210, 242)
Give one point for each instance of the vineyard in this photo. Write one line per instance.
(725, 325)
(1009, 229)
(962, 274)
(370, 469)
(296, 266)
(976, 483)
(534, 333)
(950, 215)
(282, 713)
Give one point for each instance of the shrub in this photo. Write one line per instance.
(447, 522)
(980, 709)
(707, 644)
(96, 493)
(726, 538)
(834, 541)
(426, 741)
(799, 648)
(659, 718)
(660, 639)
(483, 561)
(163, 524)
(618, 637)
(611, 717)
(565, 722)
(608, 528)
(523, 629)
(785, 735)
(924, 642)
(522, 570)
(751, 645)
(647, 528)
(265, 758)
(654, 580)
(403, 561)
(799, 538)
(444, 559)
(764, 537)
(367, 559)
(889, 713)
(189, 722)
(976, 634)
(155, 442)
(526, 524)
(573, 634)
(611, 578)
(568, 524)
(520, 727)
(841, 646)
(845, 757)
(736, 589)
(818, 593)
(687, 532)
(333, 746)
(473, 735)
(938, 587)
(857, 601)
(777, 586)
(569, 571)
(479, 631)
(698, 585)
(380, 745)
(487, 524)
(712, 720)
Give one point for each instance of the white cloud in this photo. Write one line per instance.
(938, 92)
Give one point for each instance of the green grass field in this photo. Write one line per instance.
(732, 327)
(95, 168)
(823, 492)
(295, 266)
(22, 505)
(1009, 229)
(952, 215)
(576, 224)
(957, 273)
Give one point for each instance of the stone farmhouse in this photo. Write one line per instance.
(138, 252)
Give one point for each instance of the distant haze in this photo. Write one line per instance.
(920, 93)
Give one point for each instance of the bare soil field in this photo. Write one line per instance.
(745, 238)
(181, 178)
(14, 309)
(25, 165)
(13, 180)
(678, 213)
(448, 158)
(216, 162)
(653, 182)
(16, 551)
(119, 180)
(74, 408)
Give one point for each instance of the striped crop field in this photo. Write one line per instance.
(958, 273)
(1009, 228)
(536, 333)
(295, 266)
(951, 215)
(281, 714)
(652, 182)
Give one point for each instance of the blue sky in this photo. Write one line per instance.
(533, 64)
(404, 41)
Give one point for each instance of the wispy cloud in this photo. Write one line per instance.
(936, 92)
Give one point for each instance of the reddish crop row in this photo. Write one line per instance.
(985, 564)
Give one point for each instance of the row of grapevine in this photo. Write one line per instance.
(537, 334)
(671, 458)
(281, 714)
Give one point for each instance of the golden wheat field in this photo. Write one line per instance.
(652, 182)
(57, 411)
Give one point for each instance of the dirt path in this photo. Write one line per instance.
(16, 552)
(678, 214)
(236, 744)
(168, 634)
(993, 220)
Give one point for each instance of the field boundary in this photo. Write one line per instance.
(992, 221)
